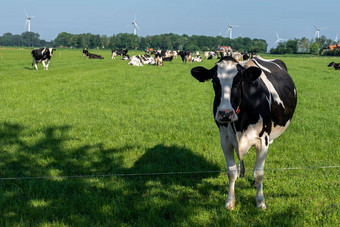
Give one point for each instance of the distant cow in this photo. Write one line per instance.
(119, 52)
(42, 55)
(254, 104)
(136, 61)
(91, 56)
(336, 66)
(210, 54)
(185, 56)
(85, 51)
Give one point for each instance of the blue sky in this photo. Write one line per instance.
(256, 19)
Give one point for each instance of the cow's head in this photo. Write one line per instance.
(229, 78)
(48, 52)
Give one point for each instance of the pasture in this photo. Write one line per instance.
(93, 142)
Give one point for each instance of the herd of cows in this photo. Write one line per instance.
(151, 57)
(44, 55)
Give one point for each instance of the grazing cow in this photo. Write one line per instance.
(119, 52)
(254, 104)
(42, 55)
(336, 66)
(185, 56)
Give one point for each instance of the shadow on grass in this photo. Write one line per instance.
(96, 200)
(131, 200)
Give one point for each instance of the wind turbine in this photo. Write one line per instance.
(336, 38)
(28, 22)
(279, 39)
(135, 26)
(230, 29)
(317, 33)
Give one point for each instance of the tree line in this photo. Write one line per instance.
(314, 46)
(129, 41)
(169, 42)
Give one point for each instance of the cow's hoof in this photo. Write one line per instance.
(261, 205)
(230, 205)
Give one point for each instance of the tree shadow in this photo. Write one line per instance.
(36, 197)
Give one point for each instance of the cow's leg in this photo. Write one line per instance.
(44, 65)
(35, 64)
(241, 169)
(228, 151)
(261, 153)
(47, 63)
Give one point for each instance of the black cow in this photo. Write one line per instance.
(91, 56)
(185, 56)
(85, 51)
(94, 56)
(336, 66)
(42, 55)
(254, 104)
(119, 52)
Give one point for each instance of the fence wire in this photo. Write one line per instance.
(158, 173)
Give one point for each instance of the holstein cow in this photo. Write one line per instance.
(254, 104)
(120, 52)
(336, 66)
(42, 55)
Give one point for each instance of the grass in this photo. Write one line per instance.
(97, 117)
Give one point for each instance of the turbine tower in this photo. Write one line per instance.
(317, 32)
(336, 38)
(28, 22)
(135, 26)
(230, 30)
(279, 39)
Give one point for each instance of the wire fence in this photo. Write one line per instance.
(158, 173)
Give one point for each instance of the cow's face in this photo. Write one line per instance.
(51, 51)
(228, 78)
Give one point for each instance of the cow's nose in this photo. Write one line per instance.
(225, 115)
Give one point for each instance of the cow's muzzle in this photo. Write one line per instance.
(226, 116)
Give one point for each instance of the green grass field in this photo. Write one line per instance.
(98, 118)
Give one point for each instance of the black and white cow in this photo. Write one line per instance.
(120, 52)
(254, 104)
(336, 66)
(42, 55)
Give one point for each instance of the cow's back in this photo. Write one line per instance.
(283, 96)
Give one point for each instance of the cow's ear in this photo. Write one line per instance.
(202, 74)
(251, 74)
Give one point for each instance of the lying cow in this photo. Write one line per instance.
(254, 104)
(91, 56)
(336, 66)
(42, 55)
(136, 61)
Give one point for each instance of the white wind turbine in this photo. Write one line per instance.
(28, 22)
(336, 38)
(230, 29)
(279, 39)
(135, 26)
(317, 32)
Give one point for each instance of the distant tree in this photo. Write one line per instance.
(63, 39)
(304, 45)
(314, 48)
